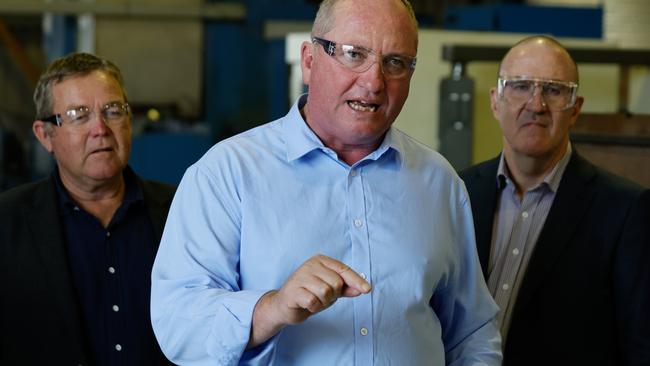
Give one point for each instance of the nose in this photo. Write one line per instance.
(536, 102)
(97, 124)
(373, 78)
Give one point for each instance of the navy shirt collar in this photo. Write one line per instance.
(132, 194)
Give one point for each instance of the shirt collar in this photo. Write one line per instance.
(133, 191)
(552, 179)
(301, 140)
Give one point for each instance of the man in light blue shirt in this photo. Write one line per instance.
(327, 237)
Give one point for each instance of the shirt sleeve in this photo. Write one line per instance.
(464, 305)
(199, 313)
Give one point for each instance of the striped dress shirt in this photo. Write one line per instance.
(517, 224)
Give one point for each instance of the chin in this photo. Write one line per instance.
(105, 172)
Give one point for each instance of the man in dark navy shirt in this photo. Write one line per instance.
(76, 248)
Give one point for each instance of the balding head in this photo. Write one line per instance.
(325, 16)
(539, 56)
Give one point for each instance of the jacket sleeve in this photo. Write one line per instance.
(632, 284)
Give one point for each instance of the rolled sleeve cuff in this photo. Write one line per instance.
(231, 330)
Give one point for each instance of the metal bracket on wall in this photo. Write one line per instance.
(455, 128)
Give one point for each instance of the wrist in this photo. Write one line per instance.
(266, 322)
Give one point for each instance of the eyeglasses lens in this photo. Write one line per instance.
(555, 95)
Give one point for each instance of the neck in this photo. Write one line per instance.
(529, 171)
(99, 198)
(346, 152)
(351, 155)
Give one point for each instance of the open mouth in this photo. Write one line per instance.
(362, 107)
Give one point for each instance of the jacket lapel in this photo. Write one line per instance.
(483, 201)
(569, 206)
(45, 227)
(158, 204)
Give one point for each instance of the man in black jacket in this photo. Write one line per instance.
(76, 248)
(563, 244)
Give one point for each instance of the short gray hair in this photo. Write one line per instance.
(74, 64)
(325, 19)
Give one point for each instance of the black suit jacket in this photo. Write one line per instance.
(585, 297)
(41, 322)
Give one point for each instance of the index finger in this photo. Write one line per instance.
(349, 276)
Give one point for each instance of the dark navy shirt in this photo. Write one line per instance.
(111, 270)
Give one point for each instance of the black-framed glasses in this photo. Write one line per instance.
(359, 59)
(111, 113)
(556, 95)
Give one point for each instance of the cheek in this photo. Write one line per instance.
(123, 134)
(509, 128)
(68, 154)
(397, 95)
(69, 144)
(507, 119)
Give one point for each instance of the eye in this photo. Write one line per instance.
(520, 86)
(353, 54)
(396, 62)
(77, 116)
(114, 111)
(554, 89)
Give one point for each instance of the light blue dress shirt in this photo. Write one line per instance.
(257, 205)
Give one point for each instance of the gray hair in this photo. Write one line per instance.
(74, 64)
(325, 19)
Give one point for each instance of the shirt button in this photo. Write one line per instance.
(505, 287)
(364, 331)
(118, 347)
(524, 215)
(515, 251)
(111, 270)
(358, 223)
(363, 275)
(353, 173)
(108, 233)
(116, 308)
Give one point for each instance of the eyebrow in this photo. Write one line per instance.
(373, 50)
(76, 106)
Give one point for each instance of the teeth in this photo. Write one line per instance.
(362, 107)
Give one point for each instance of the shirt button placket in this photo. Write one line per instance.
(360, 262)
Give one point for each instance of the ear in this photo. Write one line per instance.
(575, 111)
(43, 136)
(494, 99)
(306, 61)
